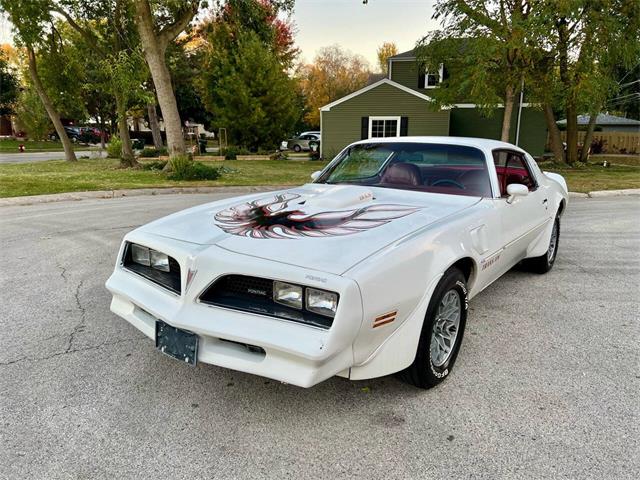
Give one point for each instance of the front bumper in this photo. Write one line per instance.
(293, 353)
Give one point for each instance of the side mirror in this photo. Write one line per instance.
(516, 190)
(315, 175)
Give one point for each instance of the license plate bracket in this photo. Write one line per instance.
(177, 343)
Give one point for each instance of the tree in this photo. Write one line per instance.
(626, 101)
(333, 74)
(385, 51)
(581, 45)
(31, 115)
(488, 42)
(9, 86)
(62, 70)
(245, 82)
(106, 31)
(185, 58)
(157, 28)
(31, 21)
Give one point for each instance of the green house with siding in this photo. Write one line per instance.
(400, 105)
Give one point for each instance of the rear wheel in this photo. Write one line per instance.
(441, 334)
(544, 263)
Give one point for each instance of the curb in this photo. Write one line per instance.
(614, 193)
(137, 192)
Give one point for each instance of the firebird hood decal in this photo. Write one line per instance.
(330, 227)
(282, 216)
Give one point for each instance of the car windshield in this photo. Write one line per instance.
(426, 167)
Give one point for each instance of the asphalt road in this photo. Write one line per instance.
(546, 385)
(29, 157)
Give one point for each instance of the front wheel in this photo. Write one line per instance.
(544, 263)
(297, 148)
(442, 332)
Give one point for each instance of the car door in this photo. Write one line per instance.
(304, 141)
(523, 217)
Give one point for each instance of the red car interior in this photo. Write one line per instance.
(457, 180)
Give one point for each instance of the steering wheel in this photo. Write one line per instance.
(448, 181)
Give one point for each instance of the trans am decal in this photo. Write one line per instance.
(272, 217)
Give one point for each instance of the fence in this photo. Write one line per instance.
(612, 142)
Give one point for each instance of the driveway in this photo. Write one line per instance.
(27, 157)
(546, 384)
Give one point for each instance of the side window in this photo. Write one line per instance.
(511, 167)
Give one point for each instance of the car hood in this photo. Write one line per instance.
(322, 227)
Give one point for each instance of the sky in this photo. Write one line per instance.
(361, 28)
(348, 23)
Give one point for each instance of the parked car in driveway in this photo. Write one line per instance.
(303, 142)
(364, 272)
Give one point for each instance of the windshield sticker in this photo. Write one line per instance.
(271, 217)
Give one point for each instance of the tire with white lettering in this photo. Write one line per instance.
(544, 262)
(442, 332)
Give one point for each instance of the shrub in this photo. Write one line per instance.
(279, 156)
(153, 152)
(157, 165)
(231, 153)
(114, 148)
(186, 169)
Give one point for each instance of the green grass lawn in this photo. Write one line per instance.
(105, 174)
(594, 176)
(10, 146)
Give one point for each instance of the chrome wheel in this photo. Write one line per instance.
(446, 327)
(553, 243)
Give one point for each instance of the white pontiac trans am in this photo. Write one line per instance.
(365, 272)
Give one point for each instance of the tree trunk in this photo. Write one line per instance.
(103, 133)
(509, 100)
(554, 133)
(588, 137)
(69, 154)
(571, 111)
(572, 131)
(128, 159)
(153, 124)
(154, 51)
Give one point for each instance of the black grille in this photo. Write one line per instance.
(169, 280)
(241, 285)
(255, 295)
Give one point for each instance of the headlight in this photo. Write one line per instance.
(287, 294)
(321, 302)
(140, 255)
(149, 258)
(159, 261)
(155, 266)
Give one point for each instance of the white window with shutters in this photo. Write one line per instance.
(380, 127)
(433, 79)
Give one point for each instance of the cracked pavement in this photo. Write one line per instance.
(546, 384)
